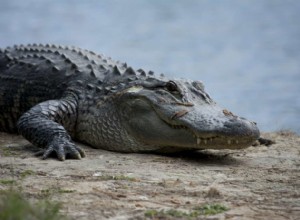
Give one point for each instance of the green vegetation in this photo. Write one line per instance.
(168, 213)
(7, 182)
(119, 177)
(212, 209)
(13, 205)
(26, 173)
(47, 193)
(209, 209)
(7, 151)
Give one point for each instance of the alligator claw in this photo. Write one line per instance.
(62, 149)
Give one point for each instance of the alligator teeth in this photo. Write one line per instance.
(210, 140)
(200, 140)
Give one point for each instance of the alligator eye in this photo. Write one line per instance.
(171, 86)
(198, 85)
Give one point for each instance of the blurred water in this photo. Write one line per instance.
(246, 52)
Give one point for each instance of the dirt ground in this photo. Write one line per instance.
(256, 183)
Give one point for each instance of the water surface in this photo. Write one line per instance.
(246, 52)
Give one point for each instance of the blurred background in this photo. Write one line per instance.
(247, 52)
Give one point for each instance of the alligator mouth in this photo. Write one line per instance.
(215, 141)
(241, 136)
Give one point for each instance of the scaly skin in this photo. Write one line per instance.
(52, 94)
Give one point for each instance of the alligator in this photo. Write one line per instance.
(54, 95)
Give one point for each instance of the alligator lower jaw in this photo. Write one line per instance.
(208, 141)
(219, 142)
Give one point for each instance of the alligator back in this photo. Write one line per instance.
(35, 73)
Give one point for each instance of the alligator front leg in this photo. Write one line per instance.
(46, 124)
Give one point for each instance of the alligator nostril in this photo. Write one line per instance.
(227, 113)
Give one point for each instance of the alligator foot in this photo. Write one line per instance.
(61, 149)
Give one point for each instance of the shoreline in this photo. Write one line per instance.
(260, 182)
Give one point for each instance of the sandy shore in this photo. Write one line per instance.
(256, 183)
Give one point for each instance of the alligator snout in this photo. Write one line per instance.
(241, 127)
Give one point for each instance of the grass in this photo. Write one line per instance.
(7, 151)
(211, 209)
(13, 205)
(21, 175)
(26, 173)
(7, 182)
(47, 193)
(119, 177)
(208, 209)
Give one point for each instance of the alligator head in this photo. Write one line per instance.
(178, 115)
